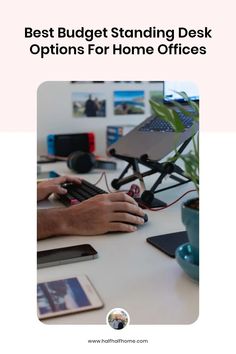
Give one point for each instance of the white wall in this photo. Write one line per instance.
(55, 115)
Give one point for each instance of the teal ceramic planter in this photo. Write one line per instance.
(190, 218)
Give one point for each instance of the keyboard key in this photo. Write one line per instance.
(160, 125)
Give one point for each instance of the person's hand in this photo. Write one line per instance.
(44, 189)
(101, 214)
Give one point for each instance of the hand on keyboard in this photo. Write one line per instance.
(54, 185)
(103, 213)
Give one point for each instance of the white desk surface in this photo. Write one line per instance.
(130, 273)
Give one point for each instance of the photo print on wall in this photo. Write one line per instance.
(128, 102)
(86, 104)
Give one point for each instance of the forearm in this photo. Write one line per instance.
(51, 222)
(113, 212)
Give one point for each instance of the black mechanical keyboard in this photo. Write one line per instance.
(160, 125)
(79, 192)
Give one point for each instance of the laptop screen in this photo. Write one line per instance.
(170, 88)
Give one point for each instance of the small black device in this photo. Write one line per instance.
(84, 162)
(65, 255)
(169, 242)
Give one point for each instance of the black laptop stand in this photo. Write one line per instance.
(163, 168)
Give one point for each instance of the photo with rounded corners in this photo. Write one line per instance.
(146, 135)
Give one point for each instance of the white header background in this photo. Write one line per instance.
(22, 73)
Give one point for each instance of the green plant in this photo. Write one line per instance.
(190, 159)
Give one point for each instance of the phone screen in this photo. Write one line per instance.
(66, 296)
(169, 242)
(65, 255)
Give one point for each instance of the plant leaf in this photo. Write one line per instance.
(168, 115)
(191, 159)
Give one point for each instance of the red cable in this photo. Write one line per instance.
(99, 179)
(152, 209)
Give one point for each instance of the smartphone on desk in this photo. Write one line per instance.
(66, 296)
(65, 255)
(169, 242)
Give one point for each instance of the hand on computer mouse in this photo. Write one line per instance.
(105, 213)
(114, 212)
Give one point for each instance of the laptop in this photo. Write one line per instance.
(155, 137)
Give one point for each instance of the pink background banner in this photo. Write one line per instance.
(21, 75)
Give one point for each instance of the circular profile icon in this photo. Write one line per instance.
(118, 318)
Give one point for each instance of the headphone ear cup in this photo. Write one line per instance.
(81, 162)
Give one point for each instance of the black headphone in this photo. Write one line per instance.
(84, 162)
